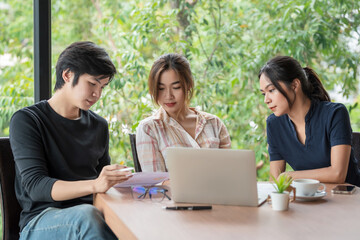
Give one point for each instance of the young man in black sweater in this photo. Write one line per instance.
(61, 151)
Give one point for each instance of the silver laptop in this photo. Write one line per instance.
(213, 176)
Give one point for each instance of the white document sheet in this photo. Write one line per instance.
(265, 189)
(145, 179)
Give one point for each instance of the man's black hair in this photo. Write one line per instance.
(84, 57)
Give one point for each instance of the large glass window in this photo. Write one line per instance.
(16, 59)
(226, 43)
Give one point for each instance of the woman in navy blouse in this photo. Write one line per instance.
(306, 130)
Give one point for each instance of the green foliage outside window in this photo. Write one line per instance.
(226, 43)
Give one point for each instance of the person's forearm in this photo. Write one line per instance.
(66, 190)
(336, 173)
(328, 175)
(276, 168)
(109, 176)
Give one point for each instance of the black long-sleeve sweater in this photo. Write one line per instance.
(48, 147)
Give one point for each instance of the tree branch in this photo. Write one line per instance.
(183, 14)
(217, 27)
(111, 39)
(201, 45)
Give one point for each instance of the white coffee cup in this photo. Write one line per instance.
(307, 187)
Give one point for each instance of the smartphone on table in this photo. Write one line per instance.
(343, 189)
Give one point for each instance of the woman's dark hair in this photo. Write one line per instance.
(286, 69)
(84, 57)
(177, 63)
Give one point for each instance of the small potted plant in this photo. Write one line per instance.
(280, 198)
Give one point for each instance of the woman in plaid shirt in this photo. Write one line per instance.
(175, 124)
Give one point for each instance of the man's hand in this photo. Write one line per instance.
(109, 176)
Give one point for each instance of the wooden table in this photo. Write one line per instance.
(333, 217)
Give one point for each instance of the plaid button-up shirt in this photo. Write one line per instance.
(158, 132)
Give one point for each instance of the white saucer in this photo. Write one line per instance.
(317, 196)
